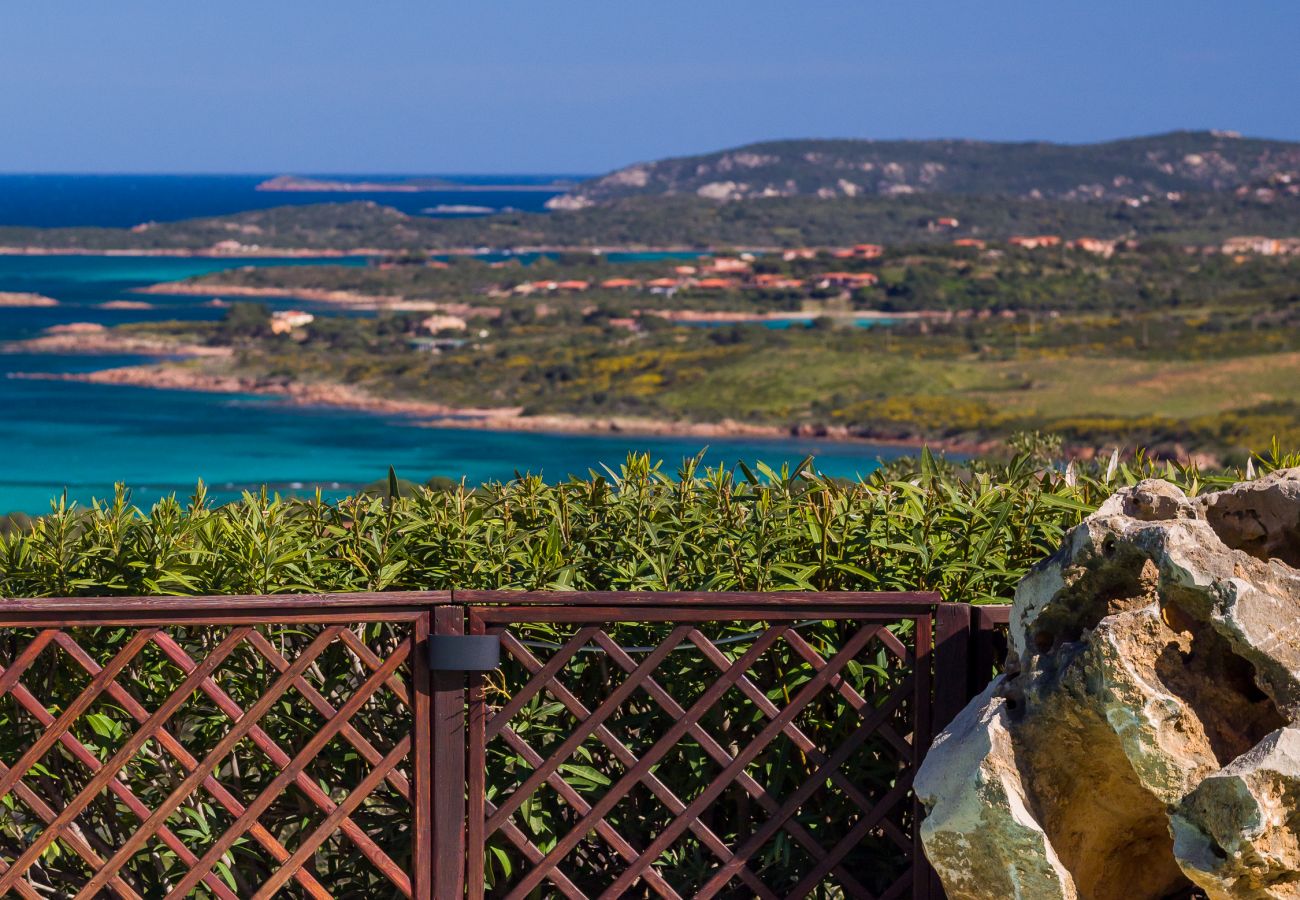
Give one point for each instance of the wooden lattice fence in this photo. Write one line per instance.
(622, 745)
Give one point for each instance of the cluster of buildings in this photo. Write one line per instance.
(1261, 246)
(857, 251)
(722, 274)
(1098, 246)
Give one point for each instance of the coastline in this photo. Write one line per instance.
(92, 339)
(297, 252)
(426, 414)
(346, 299)
(190, 252)
(398, 303)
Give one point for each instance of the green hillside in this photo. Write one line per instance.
(1126, 169)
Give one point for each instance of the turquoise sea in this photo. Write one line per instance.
(58, 436)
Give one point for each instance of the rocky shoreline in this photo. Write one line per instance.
(346, 299)
(189, 252)
(427, 414)
(91, 338)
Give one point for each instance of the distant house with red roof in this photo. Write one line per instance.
(1094, 245)
(970, 242)
(717, 284)
(1035, 242)
(776, 282)
(620, 284)
(846, 279)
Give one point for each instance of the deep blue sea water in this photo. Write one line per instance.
(120, 201)
(62, 435)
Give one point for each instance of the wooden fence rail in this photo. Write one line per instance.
(452, 744)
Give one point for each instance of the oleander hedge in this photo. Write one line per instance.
(967, 530)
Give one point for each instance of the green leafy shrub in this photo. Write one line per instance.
(969, 531)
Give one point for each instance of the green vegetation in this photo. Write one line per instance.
(1154, 346)
(694, 222)
(1184, 186)
(1178, 161)
(968, 532)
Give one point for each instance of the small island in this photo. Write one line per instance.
(12, 300)
(400, 186)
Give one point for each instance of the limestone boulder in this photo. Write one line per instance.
(1142, 740)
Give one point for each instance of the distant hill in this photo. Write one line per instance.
(1134, 169)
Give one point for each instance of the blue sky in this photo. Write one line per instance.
(588, 85)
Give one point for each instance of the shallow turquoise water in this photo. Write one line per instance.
(57, 435)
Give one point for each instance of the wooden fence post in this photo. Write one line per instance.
(447, 803)
(952, 669)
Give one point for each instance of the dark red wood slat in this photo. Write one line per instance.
(575, 800)
(534, 856)
(287, 606)
(543, 675)
(373, 662)
(722, 601)
(607, 708)
(585, 615)
(477, 805)
(447, 733)
(326, 709)
(853, 836)
(124, 755)
(920, 742)
(9, 677)
(358, 795)
(291, 773)
(119, 789)
(646, 764)
(210, 762)
(166, 619)
(628, 759)
(303, 782)
(50, 736)
(801, 794)
(189, 763)
(805, 696)
(423, 857)
(719, 755)
(846, 690)
(952, 646)
(791, 731)
(24, 888)
(73, 840)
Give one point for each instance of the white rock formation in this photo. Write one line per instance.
(1141, 742)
